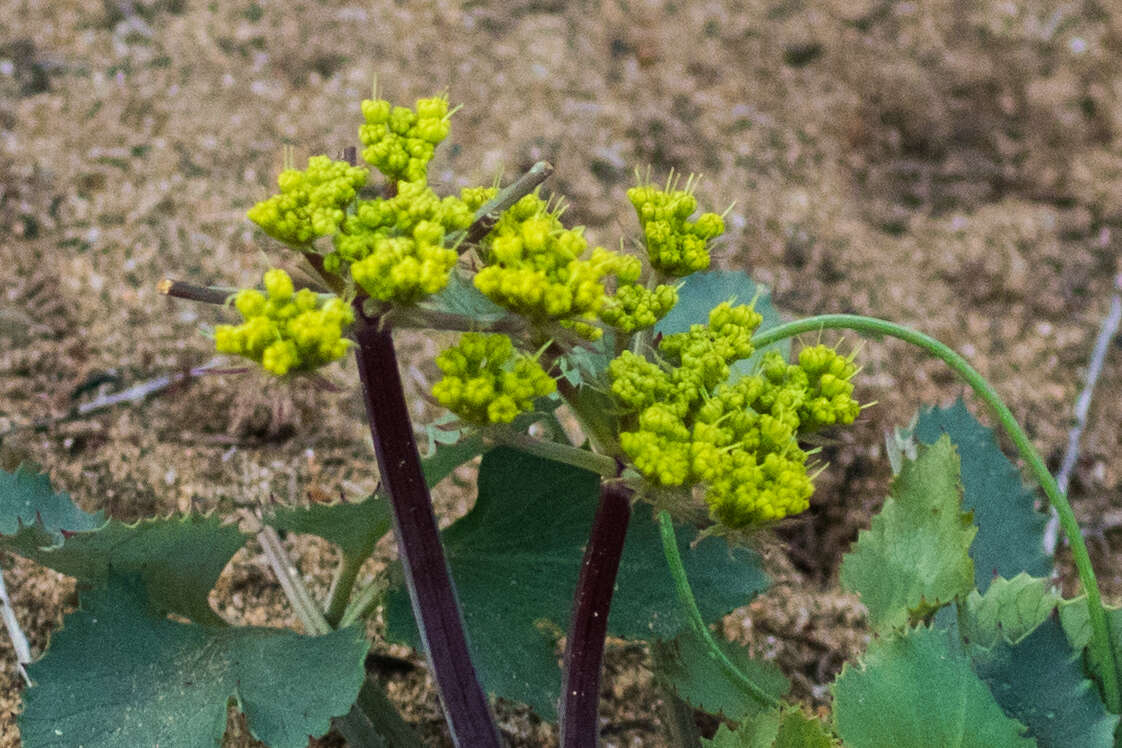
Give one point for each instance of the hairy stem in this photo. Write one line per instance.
(1101, 646)
(584, 649)
(697, 623)
(433, 597)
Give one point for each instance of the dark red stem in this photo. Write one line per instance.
(584, 651)
(431, 592)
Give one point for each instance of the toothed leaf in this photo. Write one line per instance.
(1010, 610)
(34, 516)
(1040, 682)
(913, 559)
(919, 690)
(686, 665)
(1010, 530)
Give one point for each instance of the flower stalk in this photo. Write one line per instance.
(431, 591)
(584, 648)
(697, 623)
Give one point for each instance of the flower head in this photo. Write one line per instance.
(486, 381)
(286, 330)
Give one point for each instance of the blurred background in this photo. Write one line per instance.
(954, 165)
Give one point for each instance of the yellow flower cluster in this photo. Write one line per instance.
(534, 267)
(311, 202)
(286, 330)
(676, 246)
(400, 141)
(396, 247)
(739, 440)
(633, 307)
(486, 381)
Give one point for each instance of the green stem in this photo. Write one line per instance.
(697, 623)
(345, 575)
(551, 450)
(363, 603)
(293, 586)
(1100, 645)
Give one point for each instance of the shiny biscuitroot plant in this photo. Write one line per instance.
(685, 397)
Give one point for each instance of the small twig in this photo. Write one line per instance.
(1107, 331)
(19, 641)
(191, 292)
(489, 213)
(131, 395)
(289, 577)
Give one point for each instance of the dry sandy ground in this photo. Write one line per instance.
(951, 164)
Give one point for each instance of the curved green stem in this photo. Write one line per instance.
(697, 623)
(1100, 645)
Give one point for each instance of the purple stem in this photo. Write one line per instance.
(435, 606)
(584, 651)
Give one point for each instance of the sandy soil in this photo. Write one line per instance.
(955, 165)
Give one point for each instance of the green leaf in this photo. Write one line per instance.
(1010, 530)
(760, 732)
(1077, 622)
(913, 559)
(515, 558)
(687, 666)
(461, 296)
(1010, 610)
(789, 728)
(700, 292)
(1077, 625)
(646, 606)
(1040, 682)
(799, 730)
(355, 528)
(448, 457)
(118, 674)
(916, 691)
(179, 559)
(34, 516)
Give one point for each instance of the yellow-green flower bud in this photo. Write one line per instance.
(486, 381)
(286, 331)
